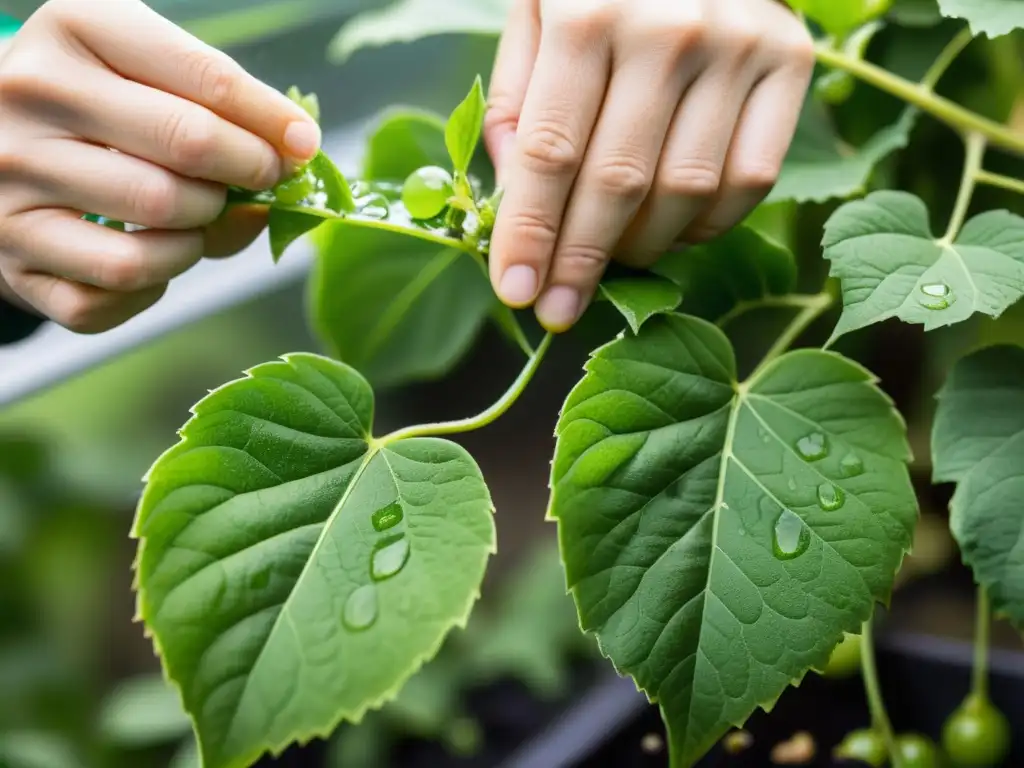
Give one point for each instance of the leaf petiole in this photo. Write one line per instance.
(481, 420)
(946, 58)
(998, 180)
(813, 307)
(975, 146)
(876, 706)
(983, 621)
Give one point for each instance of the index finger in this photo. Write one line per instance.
(151, 50)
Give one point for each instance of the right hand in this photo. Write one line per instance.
(84, 77)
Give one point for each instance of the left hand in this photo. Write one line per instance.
(620, 127)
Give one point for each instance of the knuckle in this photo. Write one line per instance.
(758, 177)
(533, 228)
(625, 176)
(13, 163)
(551, 149)
(743, 41)
(124, 269)
(501, 111)
(690, 178)
(78, 311)
(799, 50)
(213, 75)
(677, 38)
(154, 200)
(586, 22)
(581, 261)
(189, 142)
(25, 79)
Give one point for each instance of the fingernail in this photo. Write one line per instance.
(518, 285)
(302, 139)
(558, 308)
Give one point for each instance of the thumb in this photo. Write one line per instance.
(513, 68)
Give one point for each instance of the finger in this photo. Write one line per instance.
(149, 49)
(73, 174)
(235, 230)
(60, 243)
(690, 168)
(517, 53)
(170, 132)
(559, 111)
(759, 147)
(613, 181)
(81, 308)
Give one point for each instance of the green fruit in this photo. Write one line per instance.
(864, 745)
(845, 658)
(917, 751)
(425, 193)
(976, 735)
(834, 88)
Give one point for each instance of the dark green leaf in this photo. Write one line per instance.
(283, 547)
(462, 132)
(395, 306)
(640, 298)
(742, 266)
(719, 537)
(891, 265)
(978, 443)
(915, 13)
(286, 225)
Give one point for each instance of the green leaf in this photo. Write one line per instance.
(462, 133)
(839, 17)
(408, 20)
(720, 537)
(36, 749)
(142, 712)
(187, 756)
(740, 267)
(978, 443)
(915, 13)
(640, 298)
(820, 166)
(402, 141)
(283, 547)
(395, 306)
(891, 265)
(836, 85)
(987, 17)
(285, 225)
(308, 101)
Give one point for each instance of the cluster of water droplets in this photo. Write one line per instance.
(389, 555)
(935, 296)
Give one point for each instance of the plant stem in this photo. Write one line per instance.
(983, 621)
(482, 419)
(998, 180)
(975, 146)
(876, 706)
(792, 300)
(952, 114)
(948, 55)
(813, 307)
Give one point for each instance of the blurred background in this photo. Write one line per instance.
(79, 684)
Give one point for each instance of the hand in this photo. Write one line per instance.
(84, 77)
(620, 127)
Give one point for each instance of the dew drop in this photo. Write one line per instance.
(851, 465)
(812, 447)
(374, 206)
(791, 537)
(935, 296)
(830, 497)
(791, 484)
(361, 608)
(387, 517)
(389, 557)
(763, 434)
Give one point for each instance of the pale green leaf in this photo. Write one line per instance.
(37, 749)
(741, 267)
(987, 17)
(402, 141)
(839, 17)
(462, 132)
(293, 570)
(395, 306)
(819, 166)
(720, 537)
(145, 711)
(408, 20)
(640, 298)
(915, 13)
(891, 265)
(978, 443)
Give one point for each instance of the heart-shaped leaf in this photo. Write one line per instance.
(719, 537)
(293, 570)
(987, 17)
(641, 298)
(742, 266)
(978, 443)
(891, 265)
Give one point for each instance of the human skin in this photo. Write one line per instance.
(620, 127)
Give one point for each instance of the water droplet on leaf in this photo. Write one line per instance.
(763, 434)
(389, 557)
(851, 465)
(830, 497)
(812, 447)
(387, 517)
(791, 537)
(374, 206)
(935, 296)
(361, 608)
(426, 191)
(791, 484)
